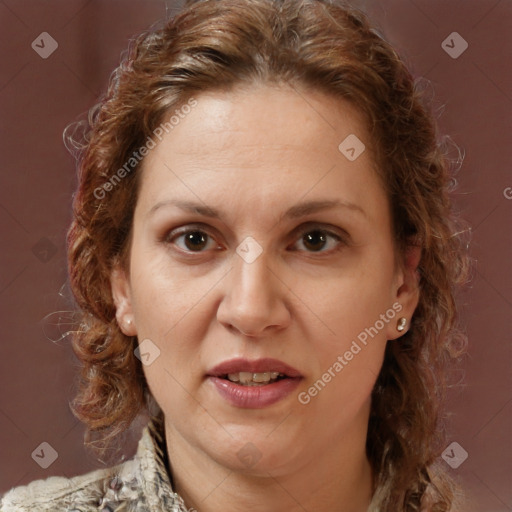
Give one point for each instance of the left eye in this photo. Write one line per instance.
(316, 240)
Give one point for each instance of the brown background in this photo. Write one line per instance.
(39, 97)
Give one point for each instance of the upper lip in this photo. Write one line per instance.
(256, 366)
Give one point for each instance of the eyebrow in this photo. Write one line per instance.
(295, 212)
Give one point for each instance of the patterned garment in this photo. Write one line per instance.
(140, 484)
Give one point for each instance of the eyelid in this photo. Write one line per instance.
(325, 227)
(188, 228)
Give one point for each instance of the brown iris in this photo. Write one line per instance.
(315, 239)
(196, 240)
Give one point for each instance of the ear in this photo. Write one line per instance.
(406, 291)
(121, 293)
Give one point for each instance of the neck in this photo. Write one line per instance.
(340, 479)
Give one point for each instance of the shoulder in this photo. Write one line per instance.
(141, 483)
(81, 493)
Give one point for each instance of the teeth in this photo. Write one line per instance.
(245, 377)
(261, 377)
(254, 379)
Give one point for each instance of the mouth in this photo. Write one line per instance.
(254, 384)
(254, 373)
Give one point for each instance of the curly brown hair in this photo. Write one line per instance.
(318, 44)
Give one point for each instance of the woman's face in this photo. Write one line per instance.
(261, 246)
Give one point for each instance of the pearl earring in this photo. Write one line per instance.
(400, 325)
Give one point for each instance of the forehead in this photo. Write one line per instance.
(266, 117)
(271, 141)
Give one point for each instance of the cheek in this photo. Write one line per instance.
(352, 301)
(166, 305)
(172, 324)
(350, 355)
(162, 293)
(355, 311)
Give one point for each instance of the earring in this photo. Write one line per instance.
(400, 325)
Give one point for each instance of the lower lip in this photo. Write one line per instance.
(254, 397)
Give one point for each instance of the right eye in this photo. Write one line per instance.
(191, 240)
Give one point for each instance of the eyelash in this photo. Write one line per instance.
(341, 240)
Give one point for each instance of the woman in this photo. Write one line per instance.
(265, 256)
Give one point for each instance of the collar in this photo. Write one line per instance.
(144, 478)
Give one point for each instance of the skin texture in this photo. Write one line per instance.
(252, 153)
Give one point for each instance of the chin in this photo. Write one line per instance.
(254, 453)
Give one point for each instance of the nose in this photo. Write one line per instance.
(255, 299)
